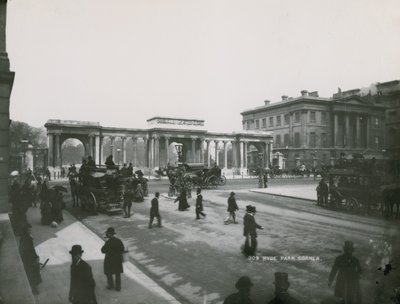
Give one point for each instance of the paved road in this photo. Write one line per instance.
(200, 260)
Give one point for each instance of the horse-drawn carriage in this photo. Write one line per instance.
(354, 191)
(205, 177)
(102, 190)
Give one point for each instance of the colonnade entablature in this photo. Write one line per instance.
(199, 145)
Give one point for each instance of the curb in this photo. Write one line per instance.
(284, 195)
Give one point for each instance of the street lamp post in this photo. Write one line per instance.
(179, 148)
(118, 150)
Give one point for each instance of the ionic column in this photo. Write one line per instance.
(123, 148)
(358, 132)
(134, 152)
(112, 147)
(202, 151)
(266, 155)
(208, 153)
(50, 154)
(157, 152)
(97, 153)
(241, 152)
(151, 153)
(101, 150)
(246, 146)
(335, 130)
(90, 152)
(146, 152)
(226, 154)
(166, 149)
(194, 150)
(348, 141)
(216, 152)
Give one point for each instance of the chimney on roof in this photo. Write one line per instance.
(313, 94)
(284, 97)
(267, 102)
(304, 93)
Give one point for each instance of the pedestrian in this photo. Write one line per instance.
(128, 198)
(281, 290)
(265, 178)
(82, 283)
(138, 195)
(154, 210)
(113, 249)
(348, 271)
(232, 208)
(250, 231)
(199, 205)
(30, 259)
(182, 198)
(243, 285)
(322, 193)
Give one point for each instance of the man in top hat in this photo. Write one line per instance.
(281, 290)
(82, 283)
(113, 249)
(154, 210)
(250, 231)
(348, 271)
(243, 285)
(199, 205)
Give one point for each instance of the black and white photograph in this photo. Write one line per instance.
(199, 152)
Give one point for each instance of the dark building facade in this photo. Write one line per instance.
(315, 131)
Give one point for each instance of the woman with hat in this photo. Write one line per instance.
(348, 271)
(243, 285)
(82, 283)
(113, 249)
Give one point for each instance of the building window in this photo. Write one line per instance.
(324, 142)
(248, 125)
(377, 121)
(287, 119)
(257, 124)
(324, 117)
(286, 140)
(297, 117)
(297, 140)
(278, 141)
(312, 116)
(271, 122)
(312, 140)
(278, 120)
(377, 141)
(264, 122)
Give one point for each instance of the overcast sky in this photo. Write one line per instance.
(120, 62)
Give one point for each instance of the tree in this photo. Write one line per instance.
(21, 130)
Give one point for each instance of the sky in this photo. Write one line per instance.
(121, 62)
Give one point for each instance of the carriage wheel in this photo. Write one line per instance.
(334, 199)
(92, 203)
(352, 205)
(222, 180)
(213, 181)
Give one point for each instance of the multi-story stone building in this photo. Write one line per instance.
(314, 131)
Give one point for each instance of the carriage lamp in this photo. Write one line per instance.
(179, 148)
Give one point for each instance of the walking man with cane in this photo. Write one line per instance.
(154, 210)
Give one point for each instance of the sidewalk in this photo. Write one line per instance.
(55, 243)
(304, 192)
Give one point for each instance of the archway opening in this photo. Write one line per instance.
(255, 157)
(72, 152)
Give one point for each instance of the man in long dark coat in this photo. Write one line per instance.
(250, 231)
(154, 210)
(281, 290)
(30, 259)
(182, 198)
(199, 205)
(348, 271)
(243, 285)
(113, 249)
(82, 283)
(232, 208)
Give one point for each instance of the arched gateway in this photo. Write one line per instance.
(161, 132)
